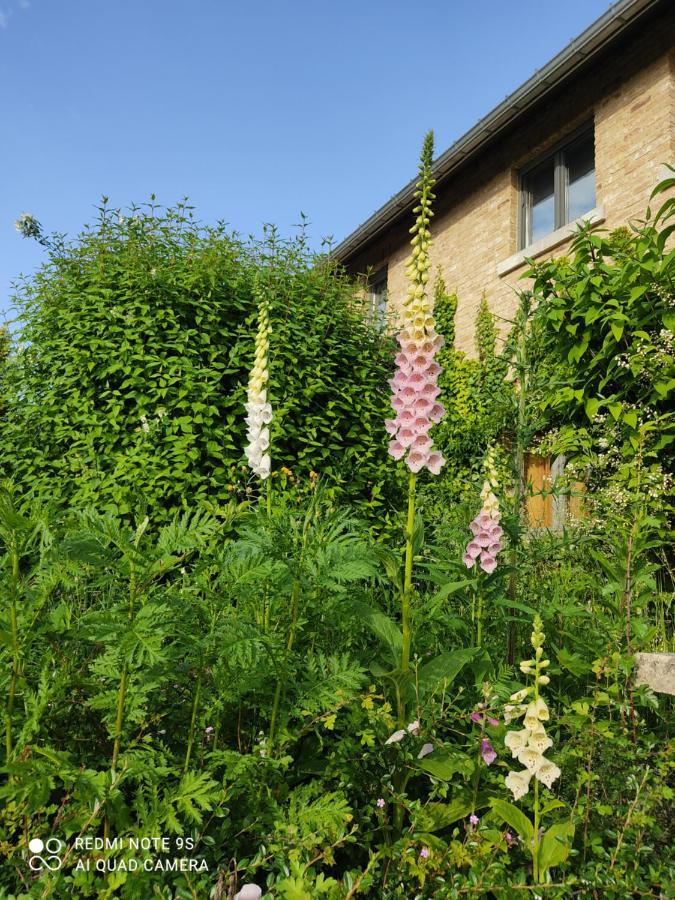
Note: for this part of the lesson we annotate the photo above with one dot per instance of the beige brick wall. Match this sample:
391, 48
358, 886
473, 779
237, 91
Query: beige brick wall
632, 105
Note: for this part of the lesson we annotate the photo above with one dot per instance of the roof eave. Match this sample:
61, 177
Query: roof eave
595, 38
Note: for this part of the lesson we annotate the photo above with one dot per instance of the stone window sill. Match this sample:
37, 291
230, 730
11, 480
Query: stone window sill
595, 217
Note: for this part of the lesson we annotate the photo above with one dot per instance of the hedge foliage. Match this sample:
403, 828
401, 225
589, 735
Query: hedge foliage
128, 386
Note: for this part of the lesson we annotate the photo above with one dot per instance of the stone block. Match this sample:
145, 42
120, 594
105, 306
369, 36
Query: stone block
657, 671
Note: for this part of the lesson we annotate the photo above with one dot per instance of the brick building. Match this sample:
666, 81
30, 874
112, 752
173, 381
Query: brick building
585, 138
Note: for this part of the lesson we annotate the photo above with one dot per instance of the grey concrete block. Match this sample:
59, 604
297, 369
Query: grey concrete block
656, 670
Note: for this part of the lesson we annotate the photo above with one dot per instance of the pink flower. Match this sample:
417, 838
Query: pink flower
425, 751
485, 528
416, 459
474, 819
476, 717
435, 462
421, 424
424, 853
414, 385
422, 442
430, 391
469, 561
493, 722
380, 802
396, 736
509, 838
484, 538
406, 436
396, 449
437, 412
487, 752
488, 563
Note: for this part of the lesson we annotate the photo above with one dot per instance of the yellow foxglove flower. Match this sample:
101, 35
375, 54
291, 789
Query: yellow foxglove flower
519, 696
547, 772
517, 741
539, 740
518, 783
258, 409
529, 745
530, 758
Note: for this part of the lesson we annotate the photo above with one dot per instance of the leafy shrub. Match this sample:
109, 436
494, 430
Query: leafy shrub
128, 384
603, 337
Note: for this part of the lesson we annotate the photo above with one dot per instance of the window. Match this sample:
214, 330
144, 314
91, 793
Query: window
377, 299
558, 189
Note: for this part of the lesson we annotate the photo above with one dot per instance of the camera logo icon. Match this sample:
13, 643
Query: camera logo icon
51, 860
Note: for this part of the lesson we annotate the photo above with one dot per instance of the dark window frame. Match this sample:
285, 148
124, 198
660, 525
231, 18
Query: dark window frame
560, 193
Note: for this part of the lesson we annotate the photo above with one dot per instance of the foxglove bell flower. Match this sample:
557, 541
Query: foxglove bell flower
258, 407
249, 892
529, 744
486, 542
487, 752
415, 384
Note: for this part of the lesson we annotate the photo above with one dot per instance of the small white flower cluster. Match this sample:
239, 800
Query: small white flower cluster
146, 423
258, 409
28, 226
529, 745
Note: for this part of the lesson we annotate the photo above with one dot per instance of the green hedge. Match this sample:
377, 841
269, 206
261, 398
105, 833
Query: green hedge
128, 384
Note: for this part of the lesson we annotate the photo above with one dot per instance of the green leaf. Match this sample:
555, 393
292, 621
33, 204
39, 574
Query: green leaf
592, 407
630, 418
515, 818
572, 662
615, 410
418, 534
382, 627
617, 330
555, 845
444, 763
439, 673
513, 604
450, 588
435, 816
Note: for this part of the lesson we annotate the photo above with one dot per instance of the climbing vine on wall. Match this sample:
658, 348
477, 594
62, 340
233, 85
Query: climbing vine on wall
475, 392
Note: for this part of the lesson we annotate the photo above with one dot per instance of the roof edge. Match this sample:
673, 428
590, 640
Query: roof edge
595, 38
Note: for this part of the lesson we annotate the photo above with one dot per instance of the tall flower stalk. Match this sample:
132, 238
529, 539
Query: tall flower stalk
415, 383
258, 407
529, 745
485, 545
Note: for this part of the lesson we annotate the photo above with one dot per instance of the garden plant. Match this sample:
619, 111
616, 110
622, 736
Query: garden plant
262, 637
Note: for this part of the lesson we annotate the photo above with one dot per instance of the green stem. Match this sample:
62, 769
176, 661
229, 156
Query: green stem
479, 621
521, 368
535, 837
476, 774
535, 842
407, 578
400, 778
266, 610
281, 683
14, 588
122, 693
119, 718
193, 720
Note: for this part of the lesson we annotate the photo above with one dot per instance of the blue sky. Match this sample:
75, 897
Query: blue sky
255, 111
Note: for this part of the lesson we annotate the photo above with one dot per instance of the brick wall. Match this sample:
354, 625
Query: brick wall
630, 97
